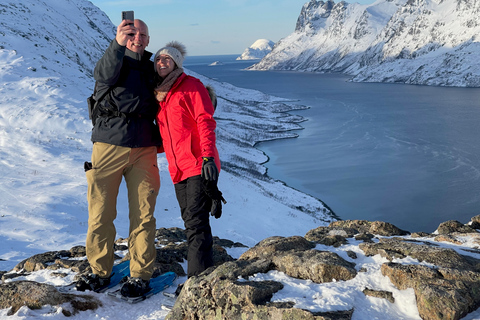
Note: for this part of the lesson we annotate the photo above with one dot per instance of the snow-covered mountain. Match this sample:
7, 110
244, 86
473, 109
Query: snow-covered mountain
48, 50
47, 53
433, 42
257, 50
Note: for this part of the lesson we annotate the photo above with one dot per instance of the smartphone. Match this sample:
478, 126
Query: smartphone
127, 15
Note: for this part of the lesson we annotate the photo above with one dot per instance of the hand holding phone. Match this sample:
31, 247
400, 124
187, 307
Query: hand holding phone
128, 15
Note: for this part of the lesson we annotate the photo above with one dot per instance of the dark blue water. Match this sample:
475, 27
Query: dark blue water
405, 154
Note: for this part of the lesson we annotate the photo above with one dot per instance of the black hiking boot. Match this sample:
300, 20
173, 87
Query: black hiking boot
179, 289
135, 287
90, 281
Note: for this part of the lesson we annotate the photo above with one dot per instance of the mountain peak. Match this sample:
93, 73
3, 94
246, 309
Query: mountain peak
257, 50
429, 42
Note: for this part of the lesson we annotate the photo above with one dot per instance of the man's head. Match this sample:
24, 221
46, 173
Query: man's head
141, 38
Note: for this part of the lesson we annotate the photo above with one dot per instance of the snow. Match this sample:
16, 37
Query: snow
257, 50
428, 42
45, 138
216, 63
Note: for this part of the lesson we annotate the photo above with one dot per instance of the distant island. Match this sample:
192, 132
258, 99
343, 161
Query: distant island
216, 63
257, 50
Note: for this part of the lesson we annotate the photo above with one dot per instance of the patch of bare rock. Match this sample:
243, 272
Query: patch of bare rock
445, 281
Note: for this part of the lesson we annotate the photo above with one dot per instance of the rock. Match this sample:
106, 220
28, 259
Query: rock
454, 226
171, 253
446, 291
227, 243
351, 254
316, 235
220, 255
445, 282
327, 236
34, 295
78, 252
367, 237
436, 296
13, 275
397, 248
40, 261
78, 266
165, 236
475, 222
379, 294
363, 226
420, 235
269, 247
220, 294
318, 266
446, 238
226, 292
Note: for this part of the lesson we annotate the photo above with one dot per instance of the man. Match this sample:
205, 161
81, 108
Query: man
125, 140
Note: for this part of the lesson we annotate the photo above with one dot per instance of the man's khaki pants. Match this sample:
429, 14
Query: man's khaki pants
139, 167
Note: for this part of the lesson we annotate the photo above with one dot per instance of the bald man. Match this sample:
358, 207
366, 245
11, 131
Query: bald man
125, 140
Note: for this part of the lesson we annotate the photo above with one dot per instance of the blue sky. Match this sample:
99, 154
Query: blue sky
209, 27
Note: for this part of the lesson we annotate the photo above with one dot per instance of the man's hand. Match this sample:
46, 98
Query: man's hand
209, 169
125, 31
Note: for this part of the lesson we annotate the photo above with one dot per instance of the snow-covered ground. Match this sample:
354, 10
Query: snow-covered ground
45, 138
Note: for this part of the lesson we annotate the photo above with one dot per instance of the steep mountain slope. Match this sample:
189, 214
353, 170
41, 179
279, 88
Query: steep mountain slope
48, 50
73, 33
47, 54
415, 41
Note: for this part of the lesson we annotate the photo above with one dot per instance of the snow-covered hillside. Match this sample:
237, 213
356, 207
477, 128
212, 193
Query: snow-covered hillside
257, 50
45, 77
417, 42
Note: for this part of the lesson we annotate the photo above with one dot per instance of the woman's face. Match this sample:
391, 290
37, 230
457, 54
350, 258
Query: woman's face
165, 65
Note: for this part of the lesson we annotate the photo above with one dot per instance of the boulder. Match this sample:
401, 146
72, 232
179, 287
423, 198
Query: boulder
34, 295
363, 226
454, 226
446, 285
226, 293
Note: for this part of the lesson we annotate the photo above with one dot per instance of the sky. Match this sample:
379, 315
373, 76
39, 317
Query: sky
210, 27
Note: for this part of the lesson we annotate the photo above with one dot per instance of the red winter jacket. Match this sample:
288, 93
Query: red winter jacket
187, 127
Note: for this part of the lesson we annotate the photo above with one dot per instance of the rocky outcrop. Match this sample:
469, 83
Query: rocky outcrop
444, 286
34, 295
444, 280
15, 294
226, 293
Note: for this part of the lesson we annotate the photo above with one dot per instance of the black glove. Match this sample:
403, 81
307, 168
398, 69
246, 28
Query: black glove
209, 169
87, 166
211, 189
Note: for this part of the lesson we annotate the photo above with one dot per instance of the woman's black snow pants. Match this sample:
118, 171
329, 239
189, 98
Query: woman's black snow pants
195, 207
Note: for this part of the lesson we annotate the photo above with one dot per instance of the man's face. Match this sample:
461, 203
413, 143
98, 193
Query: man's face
140, 39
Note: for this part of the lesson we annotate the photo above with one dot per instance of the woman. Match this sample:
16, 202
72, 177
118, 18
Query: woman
187, 127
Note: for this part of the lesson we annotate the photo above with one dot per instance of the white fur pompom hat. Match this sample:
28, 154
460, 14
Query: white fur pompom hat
175, 50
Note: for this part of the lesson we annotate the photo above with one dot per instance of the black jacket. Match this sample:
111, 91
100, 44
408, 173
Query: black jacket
127, 113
